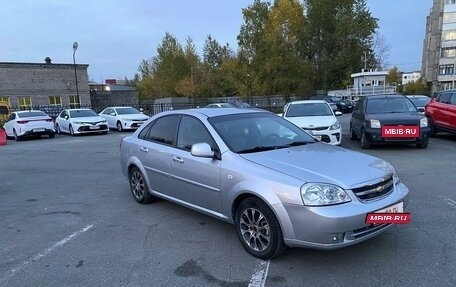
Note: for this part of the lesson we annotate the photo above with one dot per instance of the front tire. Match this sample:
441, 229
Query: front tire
352, 134
433, 131
138, 187
258, 229
365, 144
119, 126
57, 129
423, 144
71, 131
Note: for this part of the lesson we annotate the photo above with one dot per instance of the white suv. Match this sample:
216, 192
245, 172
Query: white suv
315, 117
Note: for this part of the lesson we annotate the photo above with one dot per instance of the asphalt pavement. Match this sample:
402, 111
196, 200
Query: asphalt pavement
67, 218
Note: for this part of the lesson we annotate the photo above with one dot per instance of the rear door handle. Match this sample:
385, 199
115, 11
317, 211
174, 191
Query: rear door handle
144, 149
178, 159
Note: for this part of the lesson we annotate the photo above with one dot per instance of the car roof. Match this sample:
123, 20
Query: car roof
210, 112
384, 96
118, 107
309, 102
80, 109
28, 111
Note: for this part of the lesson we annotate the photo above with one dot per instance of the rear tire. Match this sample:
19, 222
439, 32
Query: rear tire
16, 137
258, 229
138, 187
365, 144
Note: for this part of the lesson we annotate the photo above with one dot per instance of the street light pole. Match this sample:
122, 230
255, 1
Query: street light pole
75, 47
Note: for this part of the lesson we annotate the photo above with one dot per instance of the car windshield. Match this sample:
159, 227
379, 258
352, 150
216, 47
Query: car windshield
421, 101
389, 105
256, 132
308, 110
31, 114
127, 111
82, 113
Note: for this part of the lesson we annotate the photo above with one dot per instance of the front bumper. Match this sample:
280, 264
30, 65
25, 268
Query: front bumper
375, 137
332, 137
337, 226
132, 125
84, 129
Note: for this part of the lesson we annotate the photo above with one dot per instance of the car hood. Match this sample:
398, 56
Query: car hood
313, 122
321, 162
140, 117
412, 118
88, 119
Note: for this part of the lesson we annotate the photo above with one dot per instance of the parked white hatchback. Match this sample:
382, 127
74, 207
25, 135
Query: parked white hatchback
317, 118
79, 121
123, 118
29, 123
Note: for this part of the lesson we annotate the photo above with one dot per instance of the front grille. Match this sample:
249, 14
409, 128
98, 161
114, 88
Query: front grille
88, 129
316, 129
325, 138
374, 191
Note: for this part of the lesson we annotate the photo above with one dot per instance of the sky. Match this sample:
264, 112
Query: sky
114, 36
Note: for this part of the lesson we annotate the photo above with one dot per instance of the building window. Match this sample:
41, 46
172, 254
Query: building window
449, 17
448, 52
4, 100
446, 69
450, 1
55, 100
448, 35
75, 102
25, 103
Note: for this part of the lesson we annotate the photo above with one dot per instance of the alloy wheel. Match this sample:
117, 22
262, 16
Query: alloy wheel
255, 229
137, 185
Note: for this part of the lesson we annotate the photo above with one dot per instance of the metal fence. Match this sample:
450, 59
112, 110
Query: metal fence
273, 103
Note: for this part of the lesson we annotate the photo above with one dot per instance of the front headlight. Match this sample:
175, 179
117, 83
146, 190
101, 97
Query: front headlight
396, 179
335, 126
423, 123
318, 194
375, 124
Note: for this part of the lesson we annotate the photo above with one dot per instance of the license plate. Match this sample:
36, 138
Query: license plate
94, 127
396, 208
38, 130
400, 132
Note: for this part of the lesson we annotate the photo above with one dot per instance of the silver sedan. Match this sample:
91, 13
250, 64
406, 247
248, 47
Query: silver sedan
276, 183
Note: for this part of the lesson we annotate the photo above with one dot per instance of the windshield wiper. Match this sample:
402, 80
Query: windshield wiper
258, 149
298, 143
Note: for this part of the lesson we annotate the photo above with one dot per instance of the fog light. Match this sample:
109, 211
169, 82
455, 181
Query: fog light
338, 237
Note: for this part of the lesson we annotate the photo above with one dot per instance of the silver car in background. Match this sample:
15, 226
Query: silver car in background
277, 184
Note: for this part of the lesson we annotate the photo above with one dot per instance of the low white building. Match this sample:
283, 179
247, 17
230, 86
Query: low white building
410, 77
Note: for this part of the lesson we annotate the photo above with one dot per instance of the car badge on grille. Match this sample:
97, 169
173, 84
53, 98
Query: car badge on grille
379, 189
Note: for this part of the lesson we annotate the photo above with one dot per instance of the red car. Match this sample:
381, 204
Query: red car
441, 112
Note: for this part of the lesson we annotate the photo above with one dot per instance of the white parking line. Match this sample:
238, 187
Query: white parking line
448, 200
261, 273
47, 251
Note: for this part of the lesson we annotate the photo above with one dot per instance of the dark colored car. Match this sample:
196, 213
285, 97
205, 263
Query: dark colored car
441, 112
345, 106
420, 101
388, 119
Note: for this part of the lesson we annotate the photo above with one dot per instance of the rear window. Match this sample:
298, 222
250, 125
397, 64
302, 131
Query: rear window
31, 114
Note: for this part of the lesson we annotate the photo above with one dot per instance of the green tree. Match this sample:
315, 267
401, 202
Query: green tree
338, 34
415, 88
394, 76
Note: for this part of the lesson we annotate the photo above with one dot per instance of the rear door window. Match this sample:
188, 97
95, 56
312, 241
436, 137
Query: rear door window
163, 130
444, 98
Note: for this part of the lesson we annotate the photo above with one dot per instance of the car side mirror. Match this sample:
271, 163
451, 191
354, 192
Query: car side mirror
421, 109
66, 117
202, 150
338, 113
112, 114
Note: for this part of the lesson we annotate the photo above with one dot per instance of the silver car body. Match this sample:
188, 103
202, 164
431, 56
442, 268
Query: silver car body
216, 186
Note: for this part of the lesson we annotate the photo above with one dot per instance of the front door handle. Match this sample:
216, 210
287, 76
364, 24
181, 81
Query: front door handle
178, 159
144, 149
